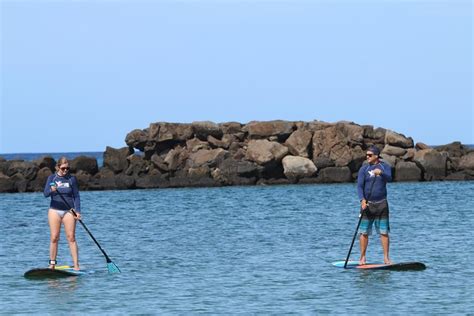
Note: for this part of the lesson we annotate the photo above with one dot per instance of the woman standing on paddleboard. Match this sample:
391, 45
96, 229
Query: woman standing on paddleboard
61, 185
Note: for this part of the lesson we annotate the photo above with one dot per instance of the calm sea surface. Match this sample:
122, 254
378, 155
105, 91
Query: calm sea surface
260, 250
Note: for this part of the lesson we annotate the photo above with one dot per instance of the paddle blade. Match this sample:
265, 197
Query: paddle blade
112, 268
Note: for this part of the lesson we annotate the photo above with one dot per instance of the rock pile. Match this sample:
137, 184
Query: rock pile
273, 152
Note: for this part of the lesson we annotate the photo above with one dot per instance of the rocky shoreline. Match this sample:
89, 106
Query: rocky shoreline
207, 154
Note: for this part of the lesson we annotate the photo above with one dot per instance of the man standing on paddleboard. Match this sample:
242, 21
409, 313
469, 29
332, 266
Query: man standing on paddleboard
372, 190
62, 187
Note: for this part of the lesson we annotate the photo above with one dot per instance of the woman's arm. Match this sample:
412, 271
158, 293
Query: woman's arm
47, 186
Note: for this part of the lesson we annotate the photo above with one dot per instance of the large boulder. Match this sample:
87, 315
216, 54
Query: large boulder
432, 163
231, 167
159, 163
210, 158
137, 166
407, 171
176, 158
164, 132
26, 168
38, 184
354, 133
196, 144
204, 129
231, 127
298, 143
264, 151
137, 139
467, 162
398, 140
331, 143
46, 161
116, 159
393, 151
298, 167
278, 128
84, 163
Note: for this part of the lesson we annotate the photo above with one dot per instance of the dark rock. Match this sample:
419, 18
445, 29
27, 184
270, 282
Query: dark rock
87, 164
264, 151
210, 158
298, 143
231, 167
27, 169
231, 127
174, 132
116, 159
455, 149
137, 139
38, 184
393, 151
21, 183
261, 130
334, 175
407, 171
432, 163
195, 144
176, 158
398, 140
103, 180
203, 130
332, 143
467, 162
461, 176
7, 185
159, 163
83, 179
46, 161
137, 165
322, 162
123, 181
150, 181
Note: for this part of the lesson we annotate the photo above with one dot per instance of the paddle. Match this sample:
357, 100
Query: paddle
358, 225
111, 267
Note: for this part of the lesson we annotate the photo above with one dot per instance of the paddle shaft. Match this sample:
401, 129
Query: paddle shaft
85, 227
358, 224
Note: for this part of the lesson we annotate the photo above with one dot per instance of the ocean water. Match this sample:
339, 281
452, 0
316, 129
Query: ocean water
243, 250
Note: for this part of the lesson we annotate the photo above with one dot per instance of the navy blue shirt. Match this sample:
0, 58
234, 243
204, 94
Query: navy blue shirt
365, 178
67, 186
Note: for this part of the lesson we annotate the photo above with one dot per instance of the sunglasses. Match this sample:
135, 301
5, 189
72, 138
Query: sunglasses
369, 155
64, 168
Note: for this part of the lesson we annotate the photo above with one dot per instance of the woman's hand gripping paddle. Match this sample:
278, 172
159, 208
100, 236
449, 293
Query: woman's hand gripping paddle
111, 267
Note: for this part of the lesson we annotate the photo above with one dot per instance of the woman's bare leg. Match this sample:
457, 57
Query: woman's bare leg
70, 229
54, 221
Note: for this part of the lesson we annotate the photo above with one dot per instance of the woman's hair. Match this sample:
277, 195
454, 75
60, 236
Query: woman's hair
60, 162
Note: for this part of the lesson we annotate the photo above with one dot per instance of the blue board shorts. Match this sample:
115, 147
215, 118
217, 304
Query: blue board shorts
376, 214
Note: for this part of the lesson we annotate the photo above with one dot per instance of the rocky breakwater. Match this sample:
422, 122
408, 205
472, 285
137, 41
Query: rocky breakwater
273, 152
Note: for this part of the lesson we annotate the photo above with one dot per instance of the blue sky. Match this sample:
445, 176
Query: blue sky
79, 75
